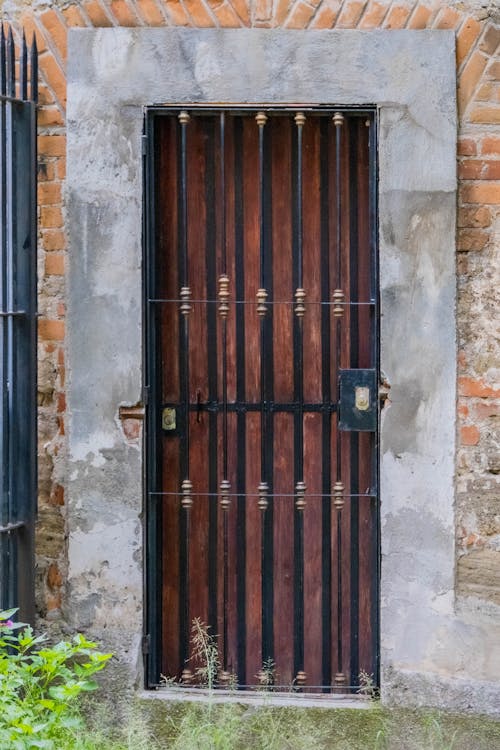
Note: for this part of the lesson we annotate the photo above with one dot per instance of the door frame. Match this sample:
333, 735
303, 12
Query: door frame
411, 77
152, 639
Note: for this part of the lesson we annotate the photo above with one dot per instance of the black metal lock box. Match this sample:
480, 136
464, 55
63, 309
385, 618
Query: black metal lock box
358, 402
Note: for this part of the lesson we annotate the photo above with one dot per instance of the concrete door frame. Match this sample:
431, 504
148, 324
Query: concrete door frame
410, 77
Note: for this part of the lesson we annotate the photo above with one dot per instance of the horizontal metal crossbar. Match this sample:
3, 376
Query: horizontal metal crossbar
12, 527
255, 495
369, 303
271, 407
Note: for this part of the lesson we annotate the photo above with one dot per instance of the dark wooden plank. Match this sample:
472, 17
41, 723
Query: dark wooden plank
253, 592
283, 549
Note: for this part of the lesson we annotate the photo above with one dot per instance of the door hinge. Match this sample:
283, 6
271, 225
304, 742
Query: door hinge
144, 140
146, 640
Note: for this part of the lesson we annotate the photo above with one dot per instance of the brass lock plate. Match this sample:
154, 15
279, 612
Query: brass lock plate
168, 419
361, 397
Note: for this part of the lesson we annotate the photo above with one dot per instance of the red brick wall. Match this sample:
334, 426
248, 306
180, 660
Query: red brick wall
478, 231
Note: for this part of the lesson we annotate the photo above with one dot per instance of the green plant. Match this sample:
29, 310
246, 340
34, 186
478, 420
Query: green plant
367, 686
39, 687
205, 654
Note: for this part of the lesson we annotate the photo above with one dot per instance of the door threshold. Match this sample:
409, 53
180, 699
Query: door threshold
257, 698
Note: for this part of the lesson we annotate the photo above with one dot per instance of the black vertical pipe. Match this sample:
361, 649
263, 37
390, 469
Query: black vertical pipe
239, 238
298, 388
339, 121
354, 436
34, 71
185, 396
4, 425
326, 543
211, 313
23, 70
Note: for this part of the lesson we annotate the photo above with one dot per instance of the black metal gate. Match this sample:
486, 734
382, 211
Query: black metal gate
18, 328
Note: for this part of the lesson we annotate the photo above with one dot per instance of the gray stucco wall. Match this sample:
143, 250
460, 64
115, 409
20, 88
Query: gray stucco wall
429, 651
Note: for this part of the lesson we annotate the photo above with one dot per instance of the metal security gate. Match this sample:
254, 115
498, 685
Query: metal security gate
18, 437
262, 382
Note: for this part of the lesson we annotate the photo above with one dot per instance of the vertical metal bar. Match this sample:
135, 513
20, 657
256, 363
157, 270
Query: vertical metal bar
34, 71
4, 426
23, 70
265, 486
11, 65
208, 125
153, 520
354, 436
225, 487
375, 332
186, 486
240, 397
326, 565
298, 387
338, 490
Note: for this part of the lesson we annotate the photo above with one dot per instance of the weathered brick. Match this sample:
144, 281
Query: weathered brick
474, 217
54, 264
490, 39
466, 37
485, 115
54, 76
176, 13
51, 330
350, 14
374, 15
61, 168
475, 169
420, 17
225, 15
97, 14
74, 17
488, 92
490, 144
49, 193
326, 15
51, 217
46, 170
481, 192
469, 435
471, 239
241, 7
467, 147
53, 240
49, 116
199, 13
470, 77
150, 12
281, 10
493, 72
123, 13
54, 577
28, 23
487, 409
300, 16
447, 18
476, 387
262, 10
52, 145
397, 17
56, 30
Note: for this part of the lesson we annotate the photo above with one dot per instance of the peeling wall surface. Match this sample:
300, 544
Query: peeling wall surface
429, 646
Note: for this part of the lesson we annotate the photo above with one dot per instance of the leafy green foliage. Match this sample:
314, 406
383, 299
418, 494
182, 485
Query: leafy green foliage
39, 686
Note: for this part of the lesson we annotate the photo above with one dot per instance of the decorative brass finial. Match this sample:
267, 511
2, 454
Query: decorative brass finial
300, 308
184, 117
187, 497
338, 495
301, 678
185, 307
338, 119
339, 678
263, 492
223, 295
300, 490
338, 298
224, 677
186, 676
261, 302
225, 500
261, 119
300, 119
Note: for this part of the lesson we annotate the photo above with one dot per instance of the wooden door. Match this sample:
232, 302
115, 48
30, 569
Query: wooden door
264, 292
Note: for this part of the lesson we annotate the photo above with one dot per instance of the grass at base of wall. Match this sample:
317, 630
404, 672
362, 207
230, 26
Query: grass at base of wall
155, 725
